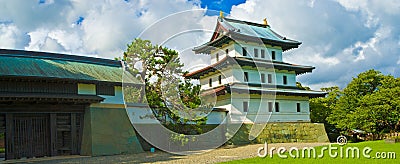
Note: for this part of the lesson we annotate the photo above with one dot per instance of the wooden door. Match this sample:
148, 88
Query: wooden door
48, 134
68, 133
27, 136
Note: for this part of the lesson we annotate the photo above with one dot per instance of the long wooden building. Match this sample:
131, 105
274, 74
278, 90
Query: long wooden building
56, 104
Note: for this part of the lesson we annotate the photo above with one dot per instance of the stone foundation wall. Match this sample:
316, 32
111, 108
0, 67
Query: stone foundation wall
282, 133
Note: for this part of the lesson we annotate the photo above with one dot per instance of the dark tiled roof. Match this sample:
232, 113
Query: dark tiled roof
218, 91
242, 61
277, 90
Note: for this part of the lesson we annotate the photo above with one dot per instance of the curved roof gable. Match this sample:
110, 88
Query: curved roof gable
242, 61
231, 29
255, 30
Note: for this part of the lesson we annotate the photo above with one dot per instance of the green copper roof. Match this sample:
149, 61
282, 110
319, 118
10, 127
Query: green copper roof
46, 65
228, 30
255, 30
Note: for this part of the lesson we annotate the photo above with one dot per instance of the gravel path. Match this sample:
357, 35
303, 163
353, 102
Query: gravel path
214, 156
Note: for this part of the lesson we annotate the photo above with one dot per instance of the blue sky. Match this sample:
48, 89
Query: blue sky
340, 38
220, 5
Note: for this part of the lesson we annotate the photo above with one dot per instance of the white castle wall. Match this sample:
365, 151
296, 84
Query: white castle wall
259, 105
236, 75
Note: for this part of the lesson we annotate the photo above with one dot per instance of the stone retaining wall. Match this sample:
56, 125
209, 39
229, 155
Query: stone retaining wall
282, 133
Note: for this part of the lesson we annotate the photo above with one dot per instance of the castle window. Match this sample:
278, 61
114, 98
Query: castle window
217, 56
298, 107
263, 54
273, 55
210, 82
269, 106
284, 79
219, 79
256, 52
244, 51
269, 78
108, 90
245, 106
246, 76
226, 52
262, 78
276, 107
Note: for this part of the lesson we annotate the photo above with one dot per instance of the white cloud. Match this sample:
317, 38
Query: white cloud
369, 6
371, 47
311, 3
192, 28
340, 38
361, 5
105, 29
9, 35
38, 39
318, 86
313, 56
69, 40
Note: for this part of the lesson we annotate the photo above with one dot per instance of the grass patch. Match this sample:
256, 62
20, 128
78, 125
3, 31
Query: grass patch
376, 146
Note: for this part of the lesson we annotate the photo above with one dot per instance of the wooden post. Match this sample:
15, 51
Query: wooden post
74, 141
53, 134
9, 139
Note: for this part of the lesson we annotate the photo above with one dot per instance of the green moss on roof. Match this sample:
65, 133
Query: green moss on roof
255, 30
56, 68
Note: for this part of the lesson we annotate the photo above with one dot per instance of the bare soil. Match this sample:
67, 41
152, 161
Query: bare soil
222, 154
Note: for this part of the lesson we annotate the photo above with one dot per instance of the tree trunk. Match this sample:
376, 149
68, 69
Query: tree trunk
143, 76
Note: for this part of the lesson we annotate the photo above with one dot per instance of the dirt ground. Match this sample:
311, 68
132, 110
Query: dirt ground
218, 155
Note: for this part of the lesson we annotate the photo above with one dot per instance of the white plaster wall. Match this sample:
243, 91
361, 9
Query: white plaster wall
222, 53
287, 109
291, 78
255, 76
237, 75
236, 50
298, 117
250, 51
227, 77
141, 115
86, 89
215, 117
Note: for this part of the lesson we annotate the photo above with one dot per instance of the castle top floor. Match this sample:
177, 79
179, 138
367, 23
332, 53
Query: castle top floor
237, 38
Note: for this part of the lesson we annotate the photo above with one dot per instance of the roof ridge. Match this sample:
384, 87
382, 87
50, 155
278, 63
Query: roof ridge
208, 67
246, 22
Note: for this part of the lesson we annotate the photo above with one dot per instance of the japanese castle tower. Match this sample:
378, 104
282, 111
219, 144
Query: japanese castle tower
247, 74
